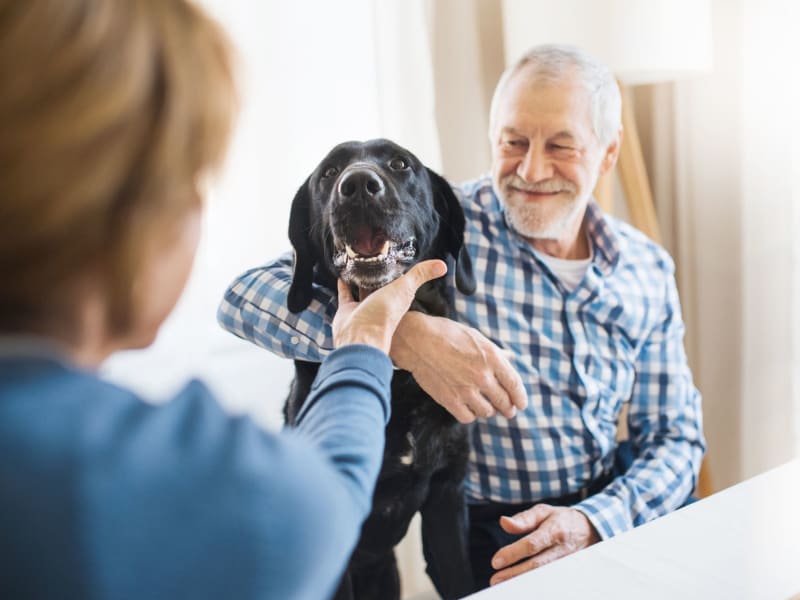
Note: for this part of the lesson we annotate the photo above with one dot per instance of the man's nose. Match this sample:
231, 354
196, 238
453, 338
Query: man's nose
535, 166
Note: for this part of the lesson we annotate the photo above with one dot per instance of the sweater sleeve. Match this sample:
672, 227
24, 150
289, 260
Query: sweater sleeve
328, 498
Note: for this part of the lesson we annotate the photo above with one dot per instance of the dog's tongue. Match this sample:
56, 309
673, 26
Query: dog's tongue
368, 242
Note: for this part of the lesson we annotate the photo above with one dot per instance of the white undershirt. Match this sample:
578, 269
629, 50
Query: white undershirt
569, 272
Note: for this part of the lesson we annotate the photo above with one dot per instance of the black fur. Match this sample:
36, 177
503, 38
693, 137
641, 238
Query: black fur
361, 195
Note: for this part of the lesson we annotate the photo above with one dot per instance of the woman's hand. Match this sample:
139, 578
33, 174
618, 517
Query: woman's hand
374, 319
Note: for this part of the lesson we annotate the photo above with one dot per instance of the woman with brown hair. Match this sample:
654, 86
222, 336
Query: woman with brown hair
111, 114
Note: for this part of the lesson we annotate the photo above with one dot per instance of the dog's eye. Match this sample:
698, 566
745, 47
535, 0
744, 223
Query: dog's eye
398, 164
330, 172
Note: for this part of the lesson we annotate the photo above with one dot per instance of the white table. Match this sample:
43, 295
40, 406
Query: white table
743, 542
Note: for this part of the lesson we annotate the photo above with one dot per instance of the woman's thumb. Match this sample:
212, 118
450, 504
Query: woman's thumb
423, 272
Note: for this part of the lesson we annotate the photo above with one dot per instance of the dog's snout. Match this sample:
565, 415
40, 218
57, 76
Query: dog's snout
358, 181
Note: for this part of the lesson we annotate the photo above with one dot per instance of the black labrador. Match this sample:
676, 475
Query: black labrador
367, 213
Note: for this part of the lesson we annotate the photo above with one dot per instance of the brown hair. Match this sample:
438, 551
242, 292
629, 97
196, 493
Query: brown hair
110, 111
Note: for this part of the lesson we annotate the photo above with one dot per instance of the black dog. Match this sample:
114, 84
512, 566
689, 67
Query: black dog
366, 214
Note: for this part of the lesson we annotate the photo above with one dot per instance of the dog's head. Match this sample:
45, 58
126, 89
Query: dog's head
367, 213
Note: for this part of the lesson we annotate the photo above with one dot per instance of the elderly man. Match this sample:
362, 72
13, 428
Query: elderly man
575, 315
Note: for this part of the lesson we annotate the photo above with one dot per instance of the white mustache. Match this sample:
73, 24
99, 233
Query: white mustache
551, 186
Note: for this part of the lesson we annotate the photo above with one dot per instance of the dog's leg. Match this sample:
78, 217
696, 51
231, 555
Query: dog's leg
304, 375
378, 580
445, 537
345, 590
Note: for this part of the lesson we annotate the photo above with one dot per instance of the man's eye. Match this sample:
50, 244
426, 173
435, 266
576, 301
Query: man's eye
398, 164
330, 172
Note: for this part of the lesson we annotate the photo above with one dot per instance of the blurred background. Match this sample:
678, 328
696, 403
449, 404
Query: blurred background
713, 85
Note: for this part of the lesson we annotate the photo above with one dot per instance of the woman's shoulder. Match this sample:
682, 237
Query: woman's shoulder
74, 415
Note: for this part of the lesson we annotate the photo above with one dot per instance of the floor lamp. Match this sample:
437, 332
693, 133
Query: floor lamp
642, 43
632, 175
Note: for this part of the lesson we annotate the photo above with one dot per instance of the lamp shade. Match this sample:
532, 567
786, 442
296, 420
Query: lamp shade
641, 41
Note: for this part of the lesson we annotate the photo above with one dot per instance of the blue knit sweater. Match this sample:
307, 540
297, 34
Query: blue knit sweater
104, 496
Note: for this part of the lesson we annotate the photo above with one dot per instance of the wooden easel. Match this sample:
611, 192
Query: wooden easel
642, 212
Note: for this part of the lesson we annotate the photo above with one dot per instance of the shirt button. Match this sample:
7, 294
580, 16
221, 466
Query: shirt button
295, 340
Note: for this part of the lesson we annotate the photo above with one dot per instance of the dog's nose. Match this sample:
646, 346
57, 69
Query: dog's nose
359, 181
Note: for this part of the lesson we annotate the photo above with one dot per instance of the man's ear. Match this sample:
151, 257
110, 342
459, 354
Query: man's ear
304, 256
451, 230
611, 153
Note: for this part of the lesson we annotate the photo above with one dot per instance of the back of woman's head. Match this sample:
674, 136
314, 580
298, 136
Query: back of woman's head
110, 112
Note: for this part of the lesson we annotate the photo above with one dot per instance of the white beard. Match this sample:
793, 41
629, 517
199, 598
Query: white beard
549, 220
537, 222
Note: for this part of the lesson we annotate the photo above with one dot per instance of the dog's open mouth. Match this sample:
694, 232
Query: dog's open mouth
379, 251
372, 250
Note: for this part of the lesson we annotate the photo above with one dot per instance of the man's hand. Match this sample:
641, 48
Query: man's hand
458, 367
555, 531
373, 320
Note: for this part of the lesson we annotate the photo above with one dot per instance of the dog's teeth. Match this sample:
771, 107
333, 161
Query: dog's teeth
350, 251
386, 245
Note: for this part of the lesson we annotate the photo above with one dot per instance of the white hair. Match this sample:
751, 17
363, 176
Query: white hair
551, 63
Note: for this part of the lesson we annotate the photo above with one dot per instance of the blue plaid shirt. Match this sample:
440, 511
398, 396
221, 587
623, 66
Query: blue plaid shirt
616, 338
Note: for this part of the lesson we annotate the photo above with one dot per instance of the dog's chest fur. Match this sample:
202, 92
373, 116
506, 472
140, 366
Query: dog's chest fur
424, 444
421, 437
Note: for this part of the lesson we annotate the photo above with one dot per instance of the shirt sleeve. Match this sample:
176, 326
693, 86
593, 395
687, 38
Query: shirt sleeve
666, 431
254, 308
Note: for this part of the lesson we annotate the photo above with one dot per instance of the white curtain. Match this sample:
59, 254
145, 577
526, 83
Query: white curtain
736, 175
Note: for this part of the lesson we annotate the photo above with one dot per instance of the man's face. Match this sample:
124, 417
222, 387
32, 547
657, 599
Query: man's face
545, 156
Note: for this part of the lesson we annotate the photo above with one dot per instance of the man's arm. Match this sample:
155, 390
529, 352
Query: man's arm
665, 423
457, 366
666, 431
255, 308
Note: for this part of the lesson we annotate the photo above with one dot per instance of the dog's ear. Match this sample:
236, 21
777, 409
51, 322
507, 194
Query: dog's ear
451, 230
304, 255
